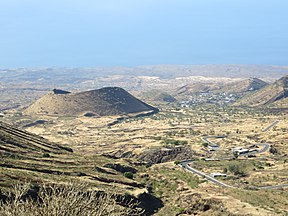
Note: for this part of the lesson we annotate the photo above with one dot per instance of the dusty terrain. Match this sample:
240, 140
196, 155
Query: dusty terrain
171, 128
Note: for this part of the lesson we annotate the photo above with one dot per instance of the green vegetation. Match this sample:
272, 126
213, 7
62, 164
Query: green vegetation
176, 162
169, 181
236, 170
46, 155
174, 142
275, 200
129, 175
205, 145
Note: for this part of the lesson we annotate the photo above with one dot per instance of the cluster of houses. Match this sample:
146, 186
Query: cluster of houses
213, 98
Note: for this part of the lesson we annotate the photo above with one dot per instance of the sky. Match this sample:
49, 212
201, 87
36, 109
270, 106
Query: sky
91, 33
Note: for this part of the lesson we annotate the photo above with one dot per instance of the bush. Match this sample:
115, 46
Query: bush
46, 155
174, 142
235, 169
129, 175
205, 145
273, 150
176, 162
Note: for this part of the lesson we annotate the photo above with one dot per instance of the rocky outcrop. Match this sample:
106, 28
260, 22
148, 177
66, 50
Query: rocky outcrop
164, 155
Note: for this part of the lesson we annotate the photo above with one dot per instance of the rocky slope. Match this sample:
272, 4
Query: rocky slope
248, 85
274, 92
243, 86
157, 96
196, 88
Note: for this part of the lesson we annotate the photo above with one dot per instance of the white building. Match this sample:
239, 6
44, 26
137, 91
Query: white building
217, 174
240, 150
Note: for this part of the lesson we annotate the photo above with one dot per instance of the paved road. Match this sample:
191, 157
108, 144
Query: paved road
270, 126
187, 166
210, 143
266, 146
273, 187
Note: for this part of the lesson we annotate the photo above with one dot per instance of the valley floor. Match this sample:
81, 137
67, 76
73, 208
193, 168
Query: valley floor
154, 145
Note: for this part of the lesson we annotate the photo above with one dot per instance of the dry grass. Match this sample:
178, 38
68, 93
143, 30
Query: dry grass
72, 200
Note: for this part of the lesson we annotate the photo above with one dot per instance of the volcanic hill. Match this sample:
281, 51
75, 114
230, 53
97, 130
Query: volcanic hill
267, 95
101, 102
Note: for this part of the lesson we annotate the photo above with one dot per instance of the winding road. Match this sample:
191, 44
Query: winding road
187, 165
210, 143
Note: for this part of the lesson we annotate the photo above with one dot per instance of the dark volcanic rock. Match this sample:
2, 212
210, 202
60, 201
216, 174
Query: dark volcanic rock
165, 155
121, 168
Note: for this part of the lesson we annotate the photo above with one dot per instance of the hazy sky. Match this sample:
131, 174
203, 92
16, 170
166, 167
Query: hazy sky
81, 33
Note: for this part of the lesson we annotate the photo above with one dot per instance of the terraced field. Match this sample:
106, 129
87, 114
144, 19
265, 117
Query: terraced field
28, 157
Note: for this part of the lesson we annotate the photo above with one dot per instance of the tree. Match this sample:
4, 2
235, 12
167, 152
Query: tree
235, 155
273, 150
236, 170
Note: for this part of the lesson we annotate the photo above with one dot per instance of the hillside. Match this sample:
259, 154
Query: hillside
28, 158
101, 102
247, 85
19, 143
157, 96
195, 88
267, 95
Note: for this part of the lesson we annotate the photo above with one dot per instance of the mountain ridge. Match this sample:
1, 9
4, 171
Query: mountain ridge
267, 95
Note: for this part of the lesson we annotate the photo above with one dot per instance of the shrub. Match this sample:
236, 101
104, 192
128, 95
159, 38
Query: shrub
129, 175
176, 162
174, 142
205, 145
235, 169
273, 150
46, 155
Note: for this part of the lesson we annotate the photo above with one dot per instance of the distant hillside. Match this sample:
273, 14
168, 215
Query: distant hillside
101, 102
267, 95
243, 86
196, 88
158, 96
74, 75
248, 85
